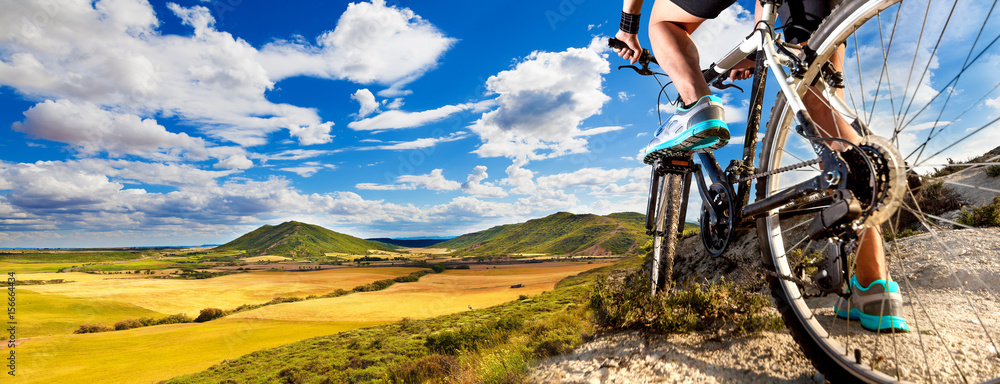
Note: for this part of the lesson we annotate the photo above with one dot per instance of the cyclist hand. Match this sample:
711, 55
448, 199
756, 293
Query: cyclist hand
634, 50
742, 70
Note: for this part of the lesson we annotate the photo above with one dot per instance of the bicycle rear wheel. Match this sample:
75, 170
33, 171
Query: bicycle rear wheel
923, 75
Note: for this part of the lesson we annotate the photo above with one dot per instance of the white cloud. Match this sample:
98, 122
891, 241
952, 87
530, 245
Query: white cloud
291, 154
366, 99
421, 143
308, 169
235, 162
520, 178
110, 54
90, 130
542, 103
394, 104
586, 177
312, 134
716, 37
474, 185
372, 43
395, 119
434, 181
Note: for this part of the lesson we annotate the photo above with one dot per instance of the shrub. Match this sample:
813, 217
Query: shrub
448, 342
932, 199
993, 170
339, 292
626, 303
375, 286
280, 299
425, 369
175, 319
92, 328
147, 321
209, 314
985, 216
127, 324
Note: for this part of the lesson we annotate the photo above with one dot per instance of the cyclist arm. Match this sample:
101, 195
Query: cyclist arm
634, 49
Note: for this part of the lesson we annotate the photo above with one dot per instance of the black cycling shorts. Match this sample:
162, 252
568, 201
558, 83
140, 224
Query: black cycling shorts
800, 18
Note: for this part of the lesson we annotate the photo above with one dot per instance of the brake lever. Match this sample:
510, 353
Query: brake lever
718, 82
642, 71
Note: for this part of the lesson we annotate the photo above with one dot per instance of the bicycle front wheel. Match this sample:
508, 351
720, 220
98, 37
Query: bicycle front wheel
922, 74
668, 220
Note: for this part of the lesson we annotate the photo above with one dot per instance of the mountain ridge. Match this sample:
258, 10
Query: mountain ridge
297, 239
561, 233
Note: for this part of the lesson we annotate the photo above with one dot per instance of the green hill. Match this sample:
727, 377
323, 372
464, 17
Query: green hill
558, 234
295, 239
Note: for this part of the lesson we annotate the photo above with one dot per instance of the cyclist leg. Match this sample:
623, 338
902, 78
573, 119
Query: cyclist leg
670, 28
698, 125
870, 285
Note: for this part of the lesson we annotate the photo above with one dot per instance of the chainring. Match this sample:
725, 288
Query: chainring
716, 237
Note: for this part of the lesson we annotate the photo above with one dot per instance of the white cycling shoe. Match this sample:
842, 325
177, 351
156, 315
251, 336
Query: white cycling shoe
700, 128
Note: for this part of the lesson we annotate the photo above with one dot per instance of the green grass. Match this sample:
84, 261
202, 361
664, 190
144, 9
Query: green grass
34, 267
52, 314
624, 302
558, 234
131, 266
987, 215
69, 257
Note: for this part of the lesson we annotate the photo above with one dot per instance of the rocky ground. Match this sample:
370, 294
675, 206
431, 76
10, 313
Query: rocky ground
951, 276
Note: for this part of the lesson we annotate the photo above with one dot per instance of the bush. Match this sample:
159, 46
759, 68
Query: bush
425, 369
985, 216
281, 299
932, 199
175, 319
339, 292
375, 286
993, 170
147, 321
209, 314
92, 328
127, 324
626, 303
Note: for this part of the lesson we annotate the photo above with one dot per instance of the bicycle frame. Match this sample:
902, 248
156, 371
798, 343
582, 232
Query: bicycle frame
763, 39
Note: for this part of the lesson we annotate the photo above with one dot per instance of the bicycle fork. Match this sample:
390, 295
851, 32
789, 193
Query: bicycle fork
666, 210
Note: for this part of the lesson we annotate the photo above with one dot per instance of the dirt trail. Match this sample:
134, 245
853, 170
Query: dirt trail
931, 291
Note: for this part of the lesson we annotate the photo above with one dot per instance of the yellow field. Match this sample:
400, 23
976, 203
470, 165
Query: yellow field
434, 295
52, 314
265, 258
152, 354
172, 296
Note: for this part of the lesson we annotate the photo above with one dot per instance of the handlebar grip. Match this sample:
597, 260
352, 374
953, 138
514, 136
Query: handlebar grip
645, 57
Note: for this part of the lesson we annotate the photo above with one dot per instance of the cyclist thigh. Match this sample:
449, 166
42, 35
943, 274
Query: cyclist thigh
800, 18
687, 14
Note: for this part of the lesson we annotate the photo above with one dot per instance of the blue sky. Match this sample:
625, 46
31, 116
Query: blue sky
129, 123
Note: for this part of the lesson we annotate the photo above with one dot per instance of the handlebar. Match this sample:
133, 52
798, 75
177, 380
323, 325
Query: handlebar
645, 58
711, 77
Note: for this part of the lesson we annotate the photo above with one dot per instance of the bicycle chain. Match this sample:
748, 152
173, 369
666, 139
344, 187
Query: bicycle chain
779, 170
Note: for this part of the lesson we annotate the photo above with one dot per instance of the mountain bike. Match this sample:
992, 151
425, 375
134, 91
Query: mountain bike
917, 78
